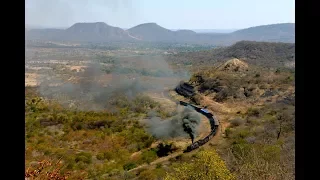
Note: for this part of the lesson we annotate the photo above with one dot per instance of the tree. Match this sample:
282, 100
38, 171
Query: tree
207, 166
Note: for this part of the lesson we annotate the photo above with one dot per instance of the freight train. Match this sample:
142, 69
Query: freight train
214, 124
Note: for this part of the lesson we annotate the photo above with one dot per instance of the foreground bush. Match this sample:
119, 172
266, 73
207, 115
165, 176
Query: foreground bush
207, 166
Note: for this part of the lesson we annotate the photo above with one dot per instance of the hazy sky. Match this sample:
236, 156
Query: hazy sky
171, 14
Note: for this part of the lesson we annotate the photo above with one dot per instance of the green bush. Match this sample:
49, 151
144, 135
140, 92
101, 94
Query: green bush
129, 166
149, 156
107, 155
100, 156
227, 132
159, 165
77, 126
271, 153
241, 150
84, 157
243, 133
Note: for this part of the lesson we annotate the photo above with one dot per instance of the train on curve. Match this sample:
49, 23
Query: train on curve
214, 124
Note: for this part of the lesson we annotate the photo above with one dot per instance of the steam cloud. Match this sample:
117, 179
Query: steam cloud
185, 123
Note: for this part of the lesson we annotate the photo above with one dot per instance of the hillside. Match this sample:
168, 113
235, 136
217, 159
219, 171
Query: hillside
257, 107
152, 32
258, 53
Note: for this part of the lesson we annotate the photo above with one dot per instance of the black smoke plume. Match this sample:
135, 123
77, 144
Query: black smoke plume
185, 123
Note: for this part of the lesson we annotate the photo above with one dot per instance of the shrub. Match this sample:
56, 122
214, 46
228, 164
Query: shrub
83, 157
227, 132
253, 112
243, 133
127, 175
196, 99
271, 153
129, 166
251, 139
209, 84
241, 150
159, 165
221, 96
100, 156
207, 165
78, 126
147, 175
107, 155
237, 121
149, 156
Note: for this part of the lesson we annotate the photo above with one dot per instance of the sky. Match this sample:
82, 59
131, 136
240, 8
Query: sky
171, 14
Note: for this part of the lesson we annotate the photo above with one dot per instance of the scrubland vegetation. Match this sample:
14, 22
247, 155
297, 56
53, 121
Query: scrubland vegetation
262, 145
260, 141
88, 143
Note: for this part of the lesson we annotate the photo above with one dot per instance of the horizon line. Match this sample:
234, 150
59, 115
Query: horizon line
44, 27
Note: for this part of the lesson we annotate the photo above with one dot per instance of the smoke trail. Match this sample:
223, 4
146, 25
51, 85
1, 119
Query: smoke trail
181, 125
92, 92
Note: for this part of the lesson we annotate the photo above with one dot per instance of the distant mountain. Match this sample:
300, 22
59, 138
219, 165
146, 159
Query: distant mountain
30, 26
98, 31
83, 32
44, 34
152, 32
184, 35
214, 30
270, 33
184, 31
209, 30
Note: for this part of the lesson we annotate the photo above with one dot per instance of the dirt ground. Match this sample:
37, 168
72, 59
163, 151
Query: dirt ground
31, 79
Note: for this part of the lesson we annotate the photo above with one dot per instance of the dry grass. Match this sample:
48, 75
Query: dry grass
46, 170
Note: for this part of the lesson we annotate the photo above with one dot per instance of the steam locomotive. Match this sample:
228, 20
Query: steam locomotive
185, 89
214, 123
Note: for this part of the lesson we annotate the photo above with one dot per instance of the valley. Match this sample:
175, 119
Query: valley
112, 113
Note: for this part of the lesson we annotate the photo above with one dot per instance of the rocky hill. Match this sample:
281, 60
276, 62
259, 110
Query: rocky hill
258, 53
